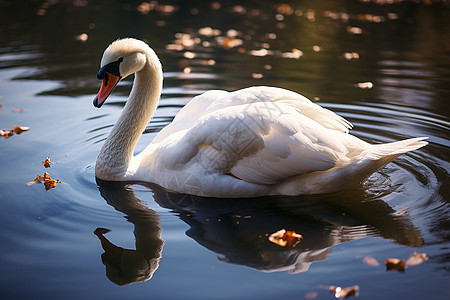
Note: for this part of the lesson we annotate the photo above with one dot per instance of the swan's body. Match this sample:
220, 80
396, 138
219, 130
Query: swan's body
251, 142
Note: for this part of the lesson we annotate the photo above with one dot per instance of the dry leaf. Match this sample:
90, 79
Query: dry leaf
285, 238
365, 85
6, 133
416, 259
18, 110
46, 179
395, 264
342, 293
47, 162
20, 129
50, 183
371, 261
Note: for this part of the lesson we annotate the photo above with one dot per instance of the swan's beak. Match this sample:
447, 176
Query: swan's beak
110, 76
109, 82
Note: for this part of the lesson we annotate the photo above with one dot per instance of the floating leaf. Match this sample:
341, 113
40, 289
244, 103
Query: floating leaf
342, 293
354, 30
18, 110
20, 129
371, 261
257, 75
296, 54
365, 85
83, 37
47, 162
351, 55
416, 259
6, 133
49, 183
395, 264
285, 238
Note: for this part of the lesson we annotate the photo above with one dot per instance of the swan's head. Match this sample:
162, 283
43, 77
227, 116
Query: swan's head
122, 58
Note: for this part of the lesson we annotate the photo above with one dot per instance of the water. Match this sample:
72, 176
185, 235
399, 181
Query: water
193, 248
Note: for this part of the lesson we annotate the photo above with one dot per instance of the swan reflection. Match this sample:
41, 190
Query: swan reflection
125, 266
237, 230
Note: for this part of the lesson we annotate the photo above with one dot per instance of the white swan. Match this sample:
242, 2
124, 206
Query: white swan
251, 142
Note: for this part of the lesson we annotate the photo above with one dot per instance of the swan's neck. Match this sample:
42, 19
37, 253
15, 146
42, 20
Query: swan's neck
115, 156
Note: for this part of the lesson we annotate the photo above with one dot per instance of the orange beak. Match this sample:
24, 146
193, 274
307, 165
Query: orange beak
109, 82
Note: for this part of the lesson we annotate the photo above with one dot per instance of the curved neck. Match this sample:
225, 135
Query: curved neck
115, 156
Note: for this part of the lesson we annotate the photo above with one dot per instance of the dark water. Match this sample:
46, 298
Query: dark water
185, 247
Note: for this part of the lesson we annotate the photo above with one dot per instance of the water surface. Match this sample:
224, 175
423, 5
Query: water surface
169, 246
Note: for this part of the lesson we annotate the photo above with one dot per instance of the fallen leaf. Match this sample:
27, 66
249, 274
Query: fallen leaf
20, 129
50, 183
83, 37
351, 55
296, 54
371, 261
18, 110
354, 30
285, 238
365, 85
257, 75
46, 179
395, 264
6, 133
342, 293
416, 259
47, 162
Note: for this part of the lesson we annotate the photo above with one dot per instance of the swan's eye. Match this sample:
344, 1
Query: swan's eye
112, 68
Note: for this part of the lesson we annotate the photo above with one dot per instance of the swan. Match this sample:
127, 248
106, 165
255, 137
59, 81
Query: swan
251, 142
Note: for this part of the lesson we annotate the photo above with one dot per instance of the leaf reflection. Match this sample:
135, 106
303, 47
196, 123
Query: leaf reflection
237, 230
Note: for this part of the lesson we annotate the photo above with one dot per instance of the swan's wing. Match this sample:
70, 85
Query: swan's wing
261, 143
215, 100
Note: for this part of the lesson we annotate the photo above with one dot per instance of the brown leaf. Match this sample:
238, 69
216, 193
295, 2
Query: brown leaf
371, 261
50, 183
285, 238
18, 110
6, 133
416, 259
342, 293
395, 264
47, 162
20, 129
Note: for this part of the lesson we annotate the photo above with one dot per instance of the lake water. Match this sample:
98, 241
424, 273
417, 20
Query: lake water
383, 65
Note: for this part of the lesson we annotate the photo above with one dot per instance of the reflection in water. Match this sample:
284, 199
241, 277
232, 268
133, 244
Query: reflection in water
124, 266
237, 230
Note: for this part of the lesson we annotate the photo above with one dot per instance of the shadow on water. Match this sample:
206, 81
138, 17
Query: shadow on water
237, 230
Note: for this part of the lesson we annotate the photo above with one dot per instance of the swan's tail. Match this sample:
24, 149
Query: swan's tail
336, 178
389, 151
